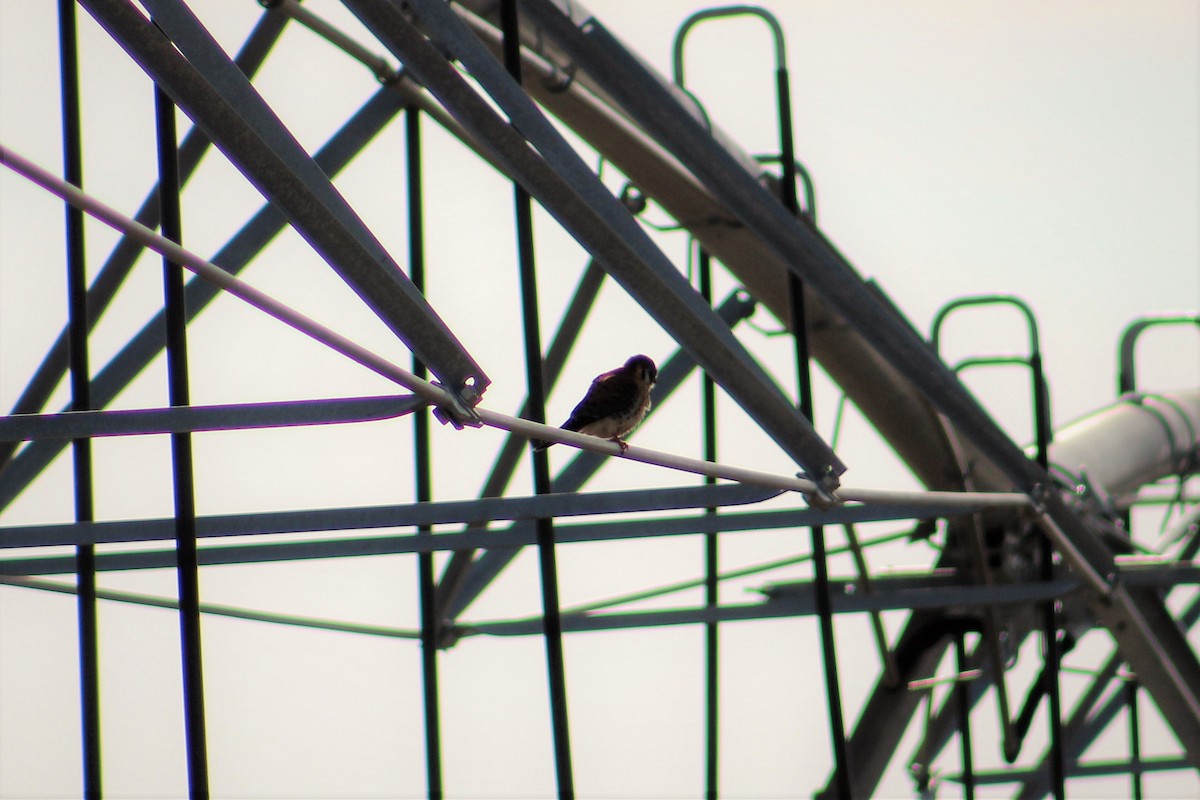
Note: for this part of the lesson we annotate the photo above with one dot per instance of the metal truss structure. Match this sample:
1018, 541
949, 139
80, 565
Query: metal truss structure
1037, 542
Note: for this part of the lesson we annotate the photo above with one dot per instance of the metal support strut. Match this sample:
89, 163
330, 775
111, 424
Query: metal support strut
795, 287
555, 664
424, 489
187, 563
708, 407
81, 400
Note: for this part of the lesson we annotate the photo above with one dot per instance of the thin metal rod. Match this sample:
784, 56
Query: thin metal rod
829, 658
555, 663
886, 656
238, 288
237, 416
708, 406
796, 603
1043, 432
796, 303
187, 563
424, 484
85, 555
1050, 646
1135, 739
214, 609
962, 692
1095, 769
743, 475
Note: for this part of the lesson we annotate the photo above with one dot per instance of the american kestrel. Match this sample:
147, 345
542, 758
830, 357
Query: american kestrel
614, 404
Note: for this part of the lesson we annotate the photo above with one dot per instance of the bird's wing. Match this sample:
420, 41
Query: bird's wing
609, 394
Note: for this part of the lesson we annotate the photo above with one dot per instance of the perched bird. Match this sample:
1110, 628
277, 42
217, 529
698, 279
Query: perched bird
614, 404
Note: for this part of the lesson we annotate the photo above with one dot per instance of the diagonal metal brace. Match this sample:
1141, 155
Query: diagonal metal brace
202, 80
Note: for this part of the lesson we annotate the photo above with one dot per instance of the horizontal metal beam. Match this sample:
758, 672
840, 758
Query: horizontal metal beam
1096, 769
409, 515
926, 591
181, 419
506, 541
887, 594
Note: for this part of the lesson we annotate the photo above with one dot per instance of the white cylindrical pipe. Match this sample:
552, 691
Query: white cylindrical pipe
1138, 440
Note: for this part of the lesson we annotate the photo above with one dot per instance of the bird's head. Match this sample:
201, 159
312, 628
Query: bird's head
643, 369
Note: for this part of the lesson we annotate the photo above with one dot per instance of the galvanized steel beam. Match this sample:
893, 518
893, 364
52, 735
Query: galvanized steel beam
376, 517
430, 513
187, 419
200, 77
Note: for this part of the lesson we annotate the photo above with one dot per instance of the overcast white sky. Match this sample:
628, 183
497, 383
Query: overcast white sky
1043, 149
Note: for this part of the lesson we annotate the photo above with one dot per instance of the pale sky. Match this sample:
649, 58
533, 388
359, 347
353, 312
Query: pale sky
1048, 150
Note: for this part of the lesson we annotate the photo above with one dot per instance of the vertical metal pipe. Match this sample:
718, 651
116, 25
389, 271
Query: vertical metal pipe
891, 673
963, 692
711, 566
829, 657
77, 345
424, 484
1043, 434
804, 381
555, 662
803, 360
1135, 739
787, 149
187, 565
